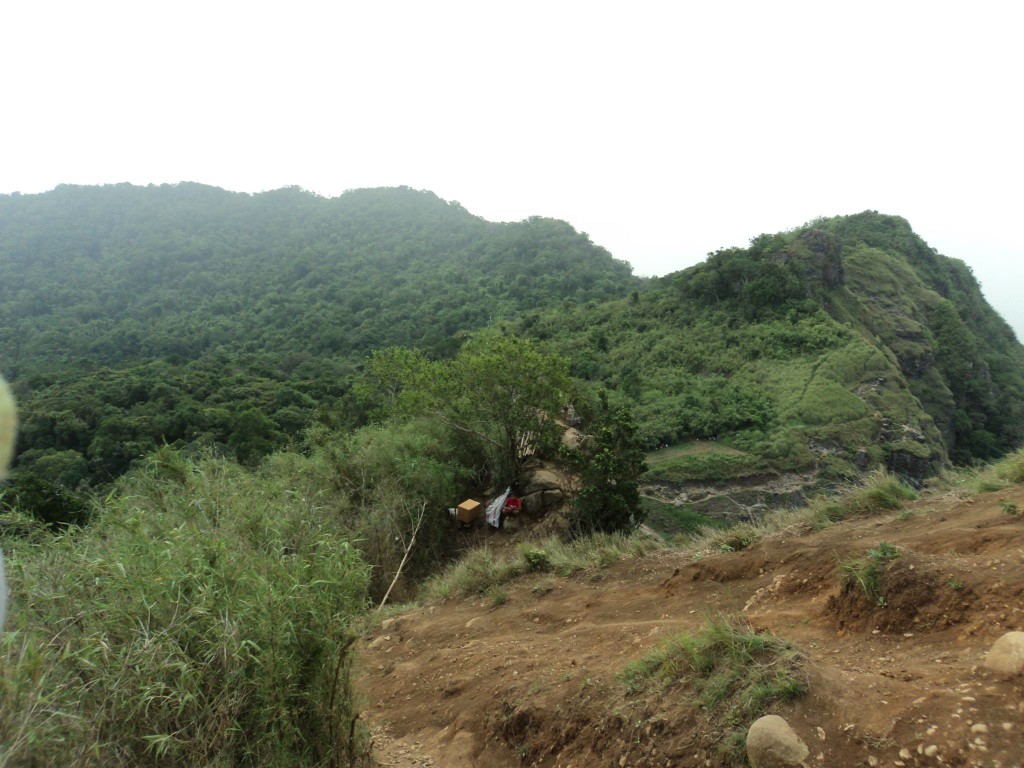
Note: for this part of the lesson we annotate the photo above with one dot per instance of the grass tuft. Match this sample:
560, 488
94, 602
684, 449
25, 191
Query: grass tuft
880, 492
727, 669
867, 572
481, 570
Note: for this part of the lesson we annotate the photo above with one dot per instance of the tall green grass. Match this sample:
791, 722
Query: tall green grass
201, 619
992, 477
867, 572
481, 570
880, 492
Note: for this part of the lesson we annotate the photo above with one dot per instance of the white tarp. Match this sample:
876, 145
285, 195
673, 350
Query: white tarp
493, 512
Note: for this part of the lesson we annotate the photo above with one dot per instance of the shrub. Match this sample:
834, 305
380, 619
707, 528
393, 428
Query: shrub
536, 559
200, 619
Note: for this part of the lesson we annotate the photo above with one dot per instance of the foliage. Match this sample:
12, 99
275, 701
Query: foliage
727, 669
672, 520
49, 503
707, 466
481, 570
202, 619
843, 341
994, 477
880, 492
867, 572
132, 317
609, 464
500, 396
376, 480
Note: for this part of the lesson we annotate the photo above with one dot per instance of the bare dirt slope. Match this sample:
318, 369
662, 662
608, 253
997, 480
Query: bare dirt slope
536, 679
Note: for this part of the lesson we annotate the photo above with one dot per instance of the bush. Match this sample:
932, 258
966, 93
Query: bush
867, 572
198, 620
609, 467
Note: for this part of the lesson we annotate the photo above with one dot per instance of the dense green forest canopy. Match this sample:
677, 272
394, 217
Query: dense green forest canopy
136, 316
133, 317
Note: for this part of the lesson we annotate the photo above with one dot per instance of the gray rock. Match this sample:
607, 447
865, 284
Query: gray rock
771, 743
552, 497
541, 480
533, 504
1006, 656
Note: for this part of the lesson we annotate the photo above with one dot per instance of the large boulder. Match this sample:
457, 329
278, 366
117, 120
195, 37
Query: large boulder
771, 743
573, 439
541, 480
537, 503
542, 489
1006, 656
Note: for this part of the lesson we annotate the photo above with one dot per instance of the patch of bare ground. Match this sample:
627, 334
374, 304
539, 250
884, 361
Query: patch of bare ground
536, 679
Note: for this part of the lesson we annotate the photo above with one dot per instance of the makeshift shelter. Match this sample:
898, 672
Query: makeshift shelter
494, 509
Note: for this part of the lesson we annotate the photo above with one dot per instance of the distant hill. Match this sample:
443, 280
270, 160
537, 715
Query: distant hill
842, 345
131, 316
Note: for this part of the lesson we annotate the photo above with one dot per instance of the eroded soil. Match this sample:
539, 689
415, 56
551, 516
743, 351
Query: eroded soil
536, 679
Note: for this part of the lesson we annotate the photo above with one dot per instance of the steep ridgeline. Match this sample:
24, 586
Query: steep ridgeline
132, 316
812, 355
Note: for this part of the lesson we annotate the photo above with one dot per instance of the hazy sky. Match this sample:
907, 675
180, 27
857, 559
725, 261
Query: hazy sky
663, 129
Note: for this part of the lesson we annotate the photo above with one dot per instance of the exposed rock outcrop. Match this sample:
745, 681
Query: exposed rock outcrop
543, 488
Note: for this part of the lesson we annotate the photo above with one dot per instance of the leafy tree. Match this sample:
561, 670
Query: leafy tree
609, 465
500, 395
57, 506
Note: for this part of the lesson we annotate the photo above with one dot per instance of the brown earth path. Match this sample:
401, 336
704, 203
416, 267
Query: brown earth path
535, 680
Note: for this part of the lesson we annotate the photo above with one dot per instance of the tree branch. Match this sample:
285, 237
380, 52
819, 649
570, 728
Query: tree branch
408, 549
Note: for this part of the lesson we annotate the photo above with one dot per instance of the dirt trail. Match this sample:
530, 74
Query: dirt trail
535, 680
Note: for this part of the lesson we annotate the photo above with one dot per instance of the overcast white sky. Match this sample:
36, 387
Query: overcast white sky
663, 129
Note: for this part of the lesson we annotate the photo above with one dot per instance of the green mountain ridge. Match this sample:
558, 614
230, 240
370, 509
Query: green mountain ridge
840, 346
183, 314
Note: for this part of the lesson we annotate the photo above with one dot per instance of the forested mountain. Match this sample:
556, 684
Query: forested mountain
845, 344
132, 316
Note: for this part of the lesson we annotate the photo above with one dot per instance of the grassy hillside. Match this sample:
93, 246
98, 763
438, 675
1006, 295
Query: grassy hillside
839, 346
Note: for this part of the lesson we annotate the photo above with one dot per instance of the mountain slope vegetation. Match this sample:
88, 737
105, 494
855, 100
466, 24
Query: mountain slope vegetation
376, 357
132, 317
842, 345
